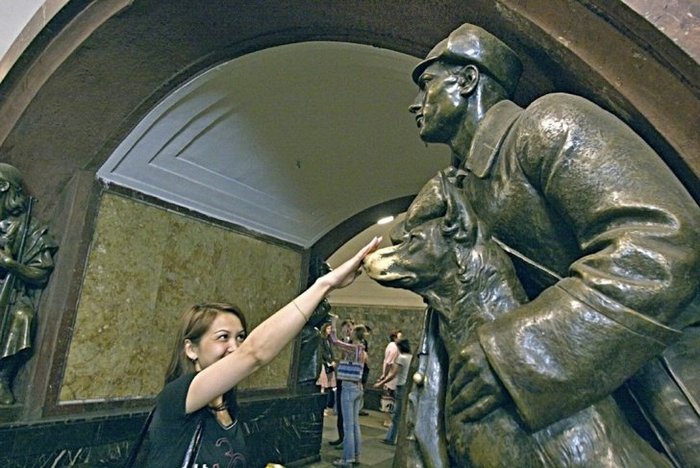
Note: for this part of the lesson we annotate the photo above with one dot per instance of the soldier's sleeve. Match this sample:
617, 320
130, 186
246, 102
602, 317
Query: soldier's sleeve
38, 255
624, 300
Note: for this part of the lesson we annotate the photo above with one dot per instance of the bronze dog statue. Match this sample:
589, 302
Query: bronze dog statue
444, 254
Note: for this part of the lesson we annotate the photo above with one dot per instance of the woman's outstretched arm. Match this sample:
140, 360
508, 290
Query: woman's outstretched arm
269, 338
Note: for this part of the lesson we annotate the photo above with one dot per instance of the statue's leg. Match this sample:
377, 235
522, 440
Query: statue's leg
8, 370
16, 348
667, 391
424, 442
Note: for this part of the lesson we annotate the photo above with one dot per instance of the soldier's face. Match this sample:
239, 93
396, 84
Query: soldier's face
10, 194
439, 106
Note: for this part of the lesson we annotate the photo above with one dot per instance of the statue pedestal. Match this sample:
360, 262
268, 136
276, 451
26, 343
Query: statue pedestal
10, 413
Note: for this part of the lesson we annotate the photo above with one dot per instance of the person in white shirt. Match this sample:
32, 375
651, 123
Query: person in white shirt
391, 352
398, 372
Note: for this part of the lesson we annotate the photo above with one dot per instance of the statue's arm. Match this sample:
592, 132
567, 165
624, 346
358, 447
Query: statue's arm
624, 299
37, 266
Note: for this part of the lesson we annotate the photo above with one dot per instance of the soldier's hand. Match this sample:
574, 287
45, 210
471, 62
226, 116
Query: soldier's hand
475, 390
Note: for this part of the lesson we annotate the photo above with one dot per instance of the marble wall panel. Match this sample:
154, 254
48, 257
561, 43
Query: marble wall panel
145, 266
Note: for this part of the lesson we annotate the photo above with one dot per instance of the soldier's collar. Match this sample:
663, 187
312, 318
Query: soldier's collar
489, 136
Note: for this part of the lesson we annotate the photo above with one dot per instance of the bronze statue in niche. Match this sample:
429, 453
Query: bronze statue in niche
310, 359
26, 261
604, 239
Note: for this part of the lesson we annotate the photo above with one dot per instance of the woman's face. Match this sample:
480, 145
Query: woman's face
224, 336
327, 330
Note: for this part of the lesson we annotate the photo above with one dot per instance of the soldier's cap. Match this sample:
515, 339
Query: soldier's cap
470, 44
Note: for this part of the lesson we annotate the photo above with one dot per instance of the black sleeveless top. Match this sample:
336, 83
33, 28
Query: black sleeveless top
171, 430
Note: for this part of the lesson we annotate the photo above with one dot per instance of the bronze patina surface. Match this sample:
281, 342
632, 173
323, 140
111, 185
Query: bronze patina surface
467, 280
26, 262
605, 242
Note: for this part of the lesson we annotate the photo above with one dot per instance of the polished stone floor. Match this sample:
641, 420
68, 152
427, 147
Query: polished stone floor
374, 452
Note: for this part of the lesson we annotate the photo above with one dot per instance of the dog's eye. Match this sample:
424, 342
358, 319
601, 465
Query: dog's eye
414, 235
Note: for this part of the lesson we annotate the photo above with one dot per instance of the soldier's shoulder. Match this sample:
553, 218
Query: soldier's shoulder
561, 104
558, 113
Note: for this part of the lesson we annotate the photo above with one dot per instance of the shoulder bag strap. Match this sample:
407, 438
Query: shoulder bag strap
193, 447
130, 463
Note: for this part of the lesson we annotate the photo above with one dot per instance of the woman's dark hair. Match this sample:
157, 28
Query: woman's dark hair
394, 334
195, 321
358, 333
404, 346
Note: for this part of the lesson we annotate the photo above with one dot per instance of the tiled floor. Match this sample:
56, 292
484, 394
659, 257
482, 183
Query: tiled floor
374, 452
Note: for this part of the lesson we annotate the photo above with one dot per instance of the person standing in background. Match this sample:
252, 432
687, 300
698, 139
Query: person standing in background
352, 395
398, 372
365, 369
391, 352
345, 330
326, 377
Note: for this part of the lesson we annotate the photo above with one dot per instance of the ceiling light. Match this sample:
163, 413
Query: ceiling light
385, 220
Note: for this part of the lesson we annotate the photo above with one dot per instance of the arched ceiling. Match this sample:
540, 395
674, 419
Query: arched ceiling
289, 141
100, 68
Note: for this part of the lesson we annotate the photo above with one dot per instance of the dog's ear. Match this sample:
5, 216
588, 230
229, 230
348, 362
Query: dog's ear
460, 220
428, 204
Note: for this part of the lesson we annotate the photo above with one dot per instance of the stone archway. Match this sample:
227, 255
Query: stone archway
116, 73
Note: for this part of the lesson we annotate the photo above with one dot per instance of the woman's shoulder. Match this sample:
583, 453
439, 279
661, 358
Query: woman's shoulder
175, 391
183, 380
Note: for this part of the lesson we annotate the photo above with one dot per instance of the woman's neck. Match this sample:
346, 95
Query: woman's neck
219, 409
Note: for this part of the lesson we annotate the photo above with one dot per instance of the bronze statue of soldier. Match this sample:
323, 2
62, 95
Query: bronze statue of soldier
26, 261
605, 240
446, 255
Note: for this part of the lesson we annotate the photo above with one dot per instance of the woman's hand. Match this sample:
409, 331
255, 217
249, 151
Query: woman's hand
346, 273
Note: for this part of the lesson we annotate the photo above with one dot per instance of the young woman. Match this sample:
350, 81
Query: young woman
213, 353
351, 395
326, 378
